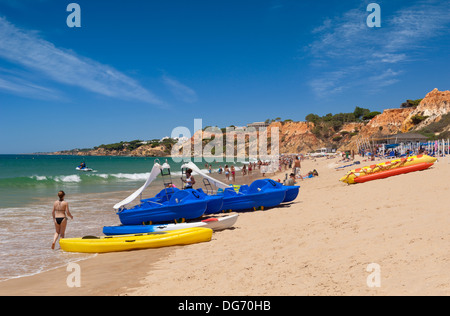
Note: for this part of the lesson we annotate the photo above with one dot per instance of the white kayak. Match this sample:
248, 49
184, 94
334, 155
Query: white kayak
214, 223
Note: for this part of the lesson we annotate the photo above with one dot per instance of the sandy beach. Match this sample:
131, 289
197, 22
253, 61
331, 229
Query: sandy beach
321, 244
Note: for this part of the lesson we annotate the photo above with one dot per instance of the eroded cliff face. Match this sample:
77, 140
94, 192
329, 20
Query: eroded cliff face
393, 121
296, 137
387, 123
434, 106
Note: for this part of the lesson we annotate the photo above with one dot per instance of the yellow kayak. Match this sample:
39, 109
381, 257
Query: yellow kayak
389, 165
91, 244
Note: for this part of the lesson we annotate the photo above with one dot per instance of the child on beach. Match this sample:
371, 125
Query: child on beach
60, 209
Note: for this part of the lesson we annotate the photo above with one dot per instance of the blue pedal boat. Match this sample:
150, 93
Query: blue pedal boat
182, 205
291, 191
214, 202
265, 192
237, 201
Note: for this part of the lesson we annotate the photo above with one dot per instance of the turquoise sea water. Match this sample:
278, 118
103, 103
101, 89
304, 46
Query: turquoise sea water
23, 178
28, 187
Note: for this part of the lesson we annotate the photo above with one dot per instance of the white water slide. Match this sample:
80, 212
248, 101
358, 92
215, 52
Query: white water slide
153, 175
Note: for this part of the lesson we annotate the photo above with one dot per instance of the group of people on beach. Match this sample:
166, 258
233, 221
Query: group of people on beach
61, 212
291, 162
230, 172
403, 150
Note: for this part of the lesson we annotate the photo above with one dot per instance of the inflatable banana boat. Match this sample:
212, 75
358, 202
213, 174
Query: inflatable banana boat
388, 169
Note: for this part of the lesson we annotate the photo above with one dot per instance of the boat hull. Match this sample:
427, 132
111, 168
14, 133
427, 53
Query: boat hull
270, 198
134, 242
238, 203
214, 204
291, 193
216, 224
393, 172
352, 175
266, 192
182, 205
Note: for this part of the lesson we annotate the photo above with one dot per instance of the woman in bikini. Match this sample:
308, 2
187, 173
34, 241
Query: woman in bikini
60, 208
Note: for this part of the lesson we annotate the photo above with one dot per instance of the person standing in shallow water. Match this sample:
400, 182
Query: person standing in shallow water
60, 213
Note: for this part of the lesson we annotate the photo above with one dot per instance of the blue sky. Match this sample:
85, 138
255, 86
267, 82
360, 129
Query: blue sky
138, 69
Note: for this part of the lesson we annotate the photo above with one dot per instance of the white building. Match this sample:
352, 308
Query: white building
258, 124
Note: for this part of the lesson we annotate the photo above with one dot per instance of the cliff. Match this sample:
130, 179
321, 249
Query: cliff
297, 137
433, 107
433, 112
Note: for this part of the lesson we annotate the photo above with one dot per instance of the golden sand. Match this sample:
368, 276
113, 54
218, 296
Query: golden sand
321, 244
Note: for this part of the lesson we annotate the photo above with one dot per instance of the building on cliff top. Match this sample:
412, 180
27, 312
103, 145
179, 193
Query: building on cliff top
258, 124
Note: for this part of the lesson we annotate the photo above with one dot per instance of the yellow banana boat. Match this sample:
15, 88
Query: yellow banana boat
91, 244
389, 165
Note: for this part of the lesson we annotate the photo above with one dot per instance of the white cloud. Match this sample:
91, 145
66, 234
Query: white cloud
63, 66
329, 84
27, 89
389, 58
179, 90
373, 58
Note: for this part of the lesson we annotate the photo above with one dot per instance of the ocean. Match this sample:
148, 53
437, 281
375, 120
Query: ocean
28, 187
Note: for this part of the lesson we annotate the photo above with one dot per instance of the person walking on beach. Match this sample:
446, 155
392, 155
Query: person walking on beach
227, 173
244, 170
296, 166
60, 213
233, 173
